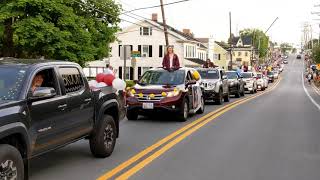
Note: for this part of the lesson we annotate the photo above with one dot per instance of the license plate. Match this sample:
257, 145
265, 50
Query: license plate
147, 105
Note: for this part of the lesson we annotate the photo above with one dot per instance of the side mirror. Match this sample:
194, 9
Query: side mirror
42, 93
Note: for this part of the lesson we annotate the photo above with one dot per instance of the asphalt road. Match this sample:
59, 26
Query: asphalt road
273, 136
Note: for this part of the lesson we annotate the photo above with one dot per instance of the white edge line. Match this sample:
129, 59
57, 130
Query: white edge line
306, 91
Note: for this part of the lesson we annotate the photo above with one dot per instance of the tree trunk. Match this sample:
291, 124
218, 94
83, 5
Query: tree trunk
8, 48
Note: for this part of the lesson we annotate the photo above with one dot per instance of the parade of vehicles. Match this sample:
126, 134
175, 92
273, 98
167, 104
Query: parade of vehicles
236, 84
214, 83
161, 90
251, 82
60, 109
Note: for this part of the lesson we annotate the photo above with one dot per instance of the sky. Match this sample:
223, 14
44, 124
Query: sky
208, 18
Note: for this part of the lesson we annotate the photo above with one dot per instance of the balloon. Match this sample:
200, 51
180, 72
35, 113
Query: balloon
196, 75
93, 83
100, 77
108, 78
119, 84
101, 84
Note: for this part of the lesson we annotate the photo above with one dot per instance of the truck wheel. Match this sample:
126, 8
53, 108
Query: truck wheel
227, 97
201, 110
11, 163
184, 112
219, 99
132, 115
103, 139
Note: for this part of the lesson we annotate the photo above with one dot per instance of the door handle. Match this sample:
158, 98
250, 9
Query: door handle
63, 106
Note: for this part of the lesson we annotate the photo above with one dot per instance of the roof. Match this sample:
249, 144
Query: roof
203, 40
29, 62
246, 40
223, 45
235, 40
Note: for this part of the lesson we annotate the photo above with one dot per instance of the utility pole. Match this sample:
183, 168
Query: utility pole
230, 67
164, 24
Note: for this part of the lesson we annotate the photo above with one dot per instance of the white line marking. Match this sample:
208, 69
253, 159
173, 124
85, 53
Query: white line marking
306, 91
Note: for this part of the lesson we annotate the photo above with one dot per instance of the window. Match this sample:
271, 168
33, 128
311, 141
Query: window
145, 31
120, 50
72, 79
146, 51
10, 86
219, 56
239, 53
161, 53
120, 72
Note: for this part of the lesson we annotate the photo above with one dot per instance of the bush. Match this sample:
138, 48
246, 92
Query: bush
130, 83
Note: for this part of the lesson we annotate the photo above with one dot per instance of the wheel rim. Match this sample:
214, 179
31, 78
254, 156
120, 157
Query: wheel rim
108, 136
185, 111
8, 170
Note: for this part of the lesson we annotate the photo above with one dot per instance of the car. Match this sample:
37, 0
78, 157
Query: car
285, 61
214, 83
251, 82
46, 105
236, 83
161, 90
270, 75
275, 74
262, 81
298, 56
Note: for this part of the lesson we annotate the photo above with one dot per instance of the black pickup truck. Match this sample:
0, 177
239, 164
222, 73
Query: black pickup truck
45, 105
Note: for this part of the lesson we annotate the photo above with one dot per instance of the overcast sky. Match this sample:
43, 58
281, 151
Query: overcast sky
210, 17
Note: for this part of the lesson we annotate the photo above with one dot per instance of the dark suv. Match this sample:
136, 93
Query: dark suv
236, 84
45, 105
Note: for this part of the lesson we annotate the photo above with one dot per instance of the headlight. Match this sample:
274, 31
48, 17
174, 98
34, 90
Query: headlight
173, 93
211, 85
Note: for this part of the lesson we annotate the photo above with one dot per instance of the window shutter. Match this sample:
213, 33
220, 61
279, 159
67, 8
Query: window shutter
139, 72
219, 57
131, 73
139, 49
120, 50
120, 72
160, 51
150, 51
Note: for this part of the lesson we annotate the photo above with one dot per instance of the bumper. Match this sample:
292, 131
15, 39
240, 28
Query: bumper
209, 94
248, 87
233, 89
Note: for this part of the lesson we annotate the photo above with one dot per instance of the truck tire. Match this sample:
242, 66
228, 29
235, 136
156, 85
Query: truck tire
103, 139
201, 110
11, 163
132, 115
184, 111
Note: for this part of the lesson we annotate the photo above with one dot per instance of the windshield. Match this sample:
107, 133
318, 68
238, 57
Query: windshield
247, 75
259, 75
11, 82
209, 74
232, 75
270, 73
163, 77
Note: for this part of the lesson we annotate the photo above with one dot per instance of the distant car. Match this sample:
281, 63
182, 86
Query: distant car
214, 83
160, 90
236, 84
275, 74
270, 75
285, 61
251, 82
298, 56
262, 82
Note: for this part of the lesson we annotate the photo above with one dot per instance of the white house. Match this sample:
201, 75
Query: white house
147, 37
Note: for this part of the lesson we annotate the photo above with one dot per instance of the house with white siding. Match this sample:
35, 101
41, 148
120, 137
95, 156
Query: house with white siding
147, 37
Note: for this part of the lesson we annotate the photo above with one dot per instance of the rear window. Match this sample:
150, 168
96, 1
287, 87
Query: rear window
247, 75
72, 79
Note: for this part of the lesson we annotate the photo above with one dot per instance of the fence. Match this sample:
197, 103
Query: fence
93, 71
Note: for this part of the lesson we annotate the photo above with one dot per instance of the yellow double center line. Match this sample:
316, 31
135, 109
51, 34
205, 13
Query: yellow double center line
182, 133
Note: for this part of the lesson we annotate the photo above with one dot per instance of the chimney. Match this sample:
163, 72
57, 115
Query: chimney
186, 31
154, 17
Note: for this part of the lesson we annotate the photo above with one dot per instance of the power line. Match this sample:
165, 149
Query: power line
155, 6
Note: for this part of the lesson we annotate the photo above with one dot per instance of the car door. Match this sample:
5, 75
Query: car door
190, 90
45, 112
80, 107
224, 82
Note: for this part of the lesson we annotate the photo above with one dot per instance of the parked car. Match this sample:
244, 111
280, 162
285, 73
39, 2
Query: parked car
215, 86
160, 90
299, 56
236, 84
285, 61
275, 74
45, 105
262, 81
270, 75
251, 82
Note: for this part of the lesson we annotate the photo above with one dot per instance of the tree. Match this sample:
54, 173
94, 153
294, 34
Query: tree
259, 39
58, 29
315, 55
285, 47
294, 50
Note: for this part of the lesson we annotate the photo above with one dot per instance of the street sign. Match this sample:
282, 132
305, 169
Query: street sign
135, 54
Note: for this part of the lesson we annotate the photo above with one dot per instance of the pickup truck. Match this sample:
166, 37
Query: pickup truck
45, 105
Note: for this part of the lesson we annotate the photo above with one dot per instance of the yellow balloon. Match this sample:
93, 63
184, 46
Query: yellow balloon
164, 94
152, 96
196, 75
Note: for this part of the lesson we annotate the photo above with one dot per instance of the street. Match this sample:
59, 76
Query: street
274, 135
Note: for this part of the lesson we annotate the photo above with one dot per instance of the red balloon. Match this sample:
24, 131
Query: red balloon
108, 78
99, 77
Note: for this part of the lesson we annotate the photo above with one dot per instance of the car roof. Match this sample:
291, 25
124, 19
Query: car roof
31, 62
